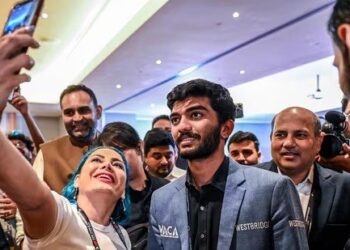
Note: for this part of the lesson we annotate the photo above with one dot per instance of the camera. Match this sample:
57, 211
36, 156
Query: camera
334, 138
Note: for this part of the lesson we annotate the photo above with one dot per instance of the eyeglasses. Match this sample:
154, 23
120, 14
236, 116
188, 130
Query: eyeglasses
19, 144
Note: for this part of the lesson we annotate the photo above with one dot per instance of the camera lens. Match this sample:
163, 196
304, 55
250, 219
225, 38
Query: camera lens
331, 146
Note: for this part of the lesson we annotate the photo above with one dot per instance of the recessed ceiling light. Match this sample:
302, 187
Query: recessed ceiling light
152, 105
159, 61
44, 15
235, 14
118, 86
242, 72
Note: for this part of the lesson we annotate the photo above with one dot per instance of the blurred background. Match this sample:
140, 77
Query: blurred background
270, 54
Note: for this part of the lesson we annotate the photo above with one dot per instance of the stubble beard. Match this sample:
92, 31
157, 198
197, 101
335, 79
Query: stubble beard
210, 143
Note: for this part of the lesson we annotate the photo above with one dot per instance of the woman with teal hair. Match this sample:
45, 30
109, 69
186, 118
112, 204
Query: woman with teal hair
96, 201
122, 208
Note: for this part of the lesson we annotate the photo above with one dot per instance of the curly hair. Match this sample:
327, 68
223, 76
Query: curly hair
220, 98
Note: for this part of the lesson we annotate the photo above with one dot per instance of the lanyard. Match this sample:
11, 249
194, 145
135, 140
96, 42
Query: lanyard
309, 211
92, 233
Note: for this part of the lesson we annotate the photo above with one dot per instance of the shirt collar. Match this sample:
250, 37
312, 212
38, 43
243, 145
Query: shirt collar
306, 185
219, 179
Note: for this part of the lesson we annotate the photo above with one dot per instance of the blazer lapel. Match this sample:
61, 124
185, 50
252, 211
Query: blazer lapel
180, 210
273, 167
324, 196
233, 198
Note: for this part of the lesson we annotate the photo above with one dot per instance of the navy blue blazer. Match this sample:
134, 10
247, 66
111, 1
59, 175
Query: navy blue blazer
330, 226
260, 210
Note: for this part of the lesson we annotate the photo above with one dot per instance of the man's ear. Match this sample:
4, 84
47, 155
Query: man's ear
259, 154
140, 149
99, 111
227, 128
320, 140
344, 34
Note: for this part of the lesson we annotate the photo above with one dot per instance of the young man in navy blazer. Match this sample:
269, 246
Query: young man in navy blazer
220, 204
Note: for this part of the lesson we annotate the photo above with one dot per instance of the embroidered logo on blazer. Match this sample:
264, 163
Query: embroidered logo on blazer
168, 231
296, 223
253, 226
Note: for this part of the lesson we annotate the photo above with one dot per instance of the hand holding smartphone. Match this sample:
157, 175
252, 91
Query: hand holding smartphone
23, 14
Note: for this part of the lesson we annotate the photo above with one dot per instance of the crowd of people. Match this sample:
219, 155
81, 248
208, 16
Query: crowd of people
176, 188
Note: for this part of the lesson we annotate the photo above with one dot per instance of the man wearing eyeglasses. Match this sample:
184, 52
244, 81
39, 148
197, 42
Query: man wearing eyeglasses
340, 162
23, 143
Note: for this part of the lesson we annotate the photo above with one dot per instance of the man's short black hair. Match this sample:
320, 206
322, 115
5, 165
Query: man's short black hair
340, 15
157, 137
16, 135
160, 117
241, 136
119, 133
344, 104
79, 87
220, 98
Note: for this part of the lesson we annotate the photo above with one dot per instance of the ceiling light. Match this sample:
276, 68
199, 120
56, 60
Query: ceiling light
242, 72
44, 15
159, 61
188, 70
118, 86
235, 14
152, 105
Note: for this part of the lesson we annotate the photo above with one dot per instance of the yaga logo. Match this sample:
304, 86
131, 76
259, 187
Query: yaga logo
169, 232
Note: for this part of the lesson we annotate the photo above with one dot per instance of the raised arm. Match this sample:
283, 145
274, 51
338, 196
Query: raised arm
21, 104
17, 179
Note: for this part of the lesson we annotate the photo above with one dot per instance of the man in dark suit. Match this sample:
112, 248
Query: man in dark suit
324, 194
219, 204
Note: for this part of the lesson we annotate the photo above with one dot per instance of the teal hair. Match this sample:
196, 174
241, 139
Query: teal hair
122, 208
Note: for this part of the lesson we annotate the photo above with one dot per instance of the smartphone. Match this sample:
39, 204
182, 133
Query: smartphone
13, 93
23, 14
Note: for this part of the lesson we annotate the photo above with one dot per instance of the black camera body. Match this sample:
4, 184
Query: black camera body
334, 138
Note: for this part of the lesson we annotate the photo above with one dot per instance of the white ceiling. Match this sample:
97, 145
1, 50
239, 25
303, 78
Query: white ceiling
268, 37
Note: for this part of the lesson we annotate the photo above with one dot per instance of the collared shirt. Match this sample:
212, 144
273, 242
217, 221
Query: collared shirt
175, 174
304, 189
205, 208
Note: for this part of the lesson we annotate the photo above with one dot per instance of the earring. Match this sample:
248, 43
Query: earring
75, 193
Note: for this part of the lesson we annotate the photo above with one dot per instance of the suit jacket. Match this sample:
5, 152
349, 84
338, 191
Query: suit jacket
260, 210
330, 226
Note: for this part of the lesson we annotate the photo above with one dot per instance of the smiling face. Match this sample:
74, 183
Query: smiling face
294, 142
195, 128
80, 116
103, 172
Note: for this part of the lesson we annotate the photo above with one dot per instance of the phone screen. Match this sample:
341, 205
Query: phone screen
21, 15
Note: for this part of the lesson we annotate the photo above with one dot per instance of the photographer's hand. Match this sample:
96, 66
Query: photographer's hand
12, 60
340, 162
346, 149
